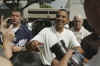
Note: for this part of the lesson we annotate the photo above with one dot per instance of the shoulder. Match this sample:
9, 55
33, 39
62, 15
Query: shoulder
83, 29
24, 28
72, 29
68, 31
46, 29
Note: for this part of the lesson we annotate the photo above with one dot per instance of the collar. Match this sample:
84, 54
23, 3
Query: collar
54, 30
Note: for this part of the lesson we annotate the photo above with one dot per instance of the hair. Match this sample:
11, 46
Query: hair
65, 10
90, 46
78, 16
26, 58
17, 10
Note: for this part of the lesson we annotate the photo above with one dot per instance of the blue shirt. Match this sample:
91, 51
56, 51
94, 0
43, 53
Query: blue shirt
22, 35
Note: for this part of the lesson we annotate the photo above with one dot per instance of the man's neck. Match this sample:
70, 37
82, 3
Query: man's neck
77, 29
59, 30
17, 25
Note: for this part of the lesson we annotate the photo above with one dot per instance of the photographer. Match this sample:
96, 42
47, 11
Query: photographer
15, 38
91, 44
48, 37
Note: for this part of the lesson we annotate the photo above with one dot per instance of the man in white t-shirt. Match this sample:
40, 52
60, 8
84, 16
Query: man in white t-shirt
78, 29
48, 37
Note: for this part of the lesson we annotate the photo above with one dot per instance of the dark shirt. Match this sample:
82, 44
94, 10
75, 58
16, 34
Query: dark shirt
90, 46
22, 35
26, 58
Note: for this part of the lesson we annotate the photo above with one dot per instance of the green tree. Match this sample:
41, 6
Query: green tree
45, 6
15, 3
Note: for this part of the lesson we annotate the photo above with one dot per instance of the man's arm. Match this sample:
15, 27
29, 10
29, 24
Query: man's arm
81, 51
17, 48
33, 45
8, 36
64, 61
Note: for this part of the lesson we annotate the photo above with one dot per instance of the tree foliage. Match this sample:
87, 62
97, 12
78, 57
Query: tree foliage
45, 6
15, 3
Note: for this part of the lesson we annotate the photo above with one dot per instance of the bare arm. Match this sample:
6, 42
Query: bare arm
33, 45
81, 52
7, 37
7, 41
64, 60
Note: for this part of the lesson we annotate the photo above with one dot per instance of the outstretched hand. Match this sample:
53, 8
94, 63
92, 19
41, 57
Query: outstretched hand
7, 33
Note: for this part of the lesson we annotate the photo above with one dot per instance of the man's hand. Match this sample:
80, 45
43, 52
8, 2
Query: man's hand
64, 61
8, 35
68, 55
16, 48
3, 24
33, 45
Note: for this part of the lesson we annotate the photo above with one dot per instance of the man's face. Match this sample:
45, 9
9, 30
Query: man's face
77, 22
16, 17
61, 19
92, 9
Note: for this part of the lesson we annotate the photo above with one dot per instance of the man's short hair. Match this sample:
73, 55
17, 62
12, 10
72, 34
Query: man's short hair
26, 58
17, 10
65, 10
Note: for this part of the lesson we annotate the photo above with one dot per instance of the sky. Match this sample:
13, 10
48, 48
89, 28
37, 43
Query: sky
75, 9
59, 4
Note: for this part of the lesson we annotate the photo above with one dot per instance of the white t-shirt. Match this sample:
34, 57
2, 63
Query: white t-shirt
81, 34
49, 36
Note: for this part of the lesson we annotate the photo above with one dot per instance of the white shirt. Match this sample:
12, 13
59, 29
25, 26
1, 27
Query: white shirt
66, 26
49, 36
81, 34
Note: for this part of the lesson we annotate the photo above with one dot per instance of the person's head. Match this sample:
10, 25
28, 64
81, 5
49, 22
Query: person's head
78, 22
92, 10
26, 58
62, 18
16, 17
5, 62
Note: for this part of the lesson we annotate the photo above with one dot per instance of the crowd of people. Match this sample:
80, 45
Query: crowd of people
55, 45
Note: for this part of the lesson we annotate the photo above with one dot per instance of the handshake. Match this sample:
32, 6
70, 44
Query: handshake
61, 50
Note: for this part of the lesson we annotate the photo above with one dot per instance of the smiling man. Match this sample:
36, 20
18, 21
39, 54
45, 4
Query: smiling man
48, 37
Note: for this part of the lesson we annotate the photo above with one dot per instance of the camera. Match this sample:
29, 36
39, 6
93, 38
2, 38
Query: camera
59, 50
9, 22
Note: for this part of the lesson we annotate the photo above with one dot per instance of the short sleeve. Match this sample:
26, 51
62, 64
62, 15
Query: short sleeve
40, 36
73, 41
